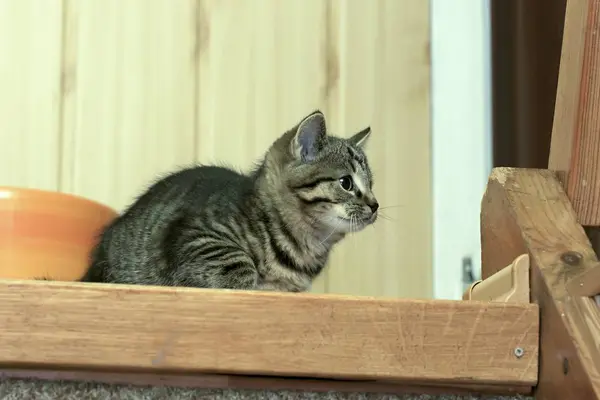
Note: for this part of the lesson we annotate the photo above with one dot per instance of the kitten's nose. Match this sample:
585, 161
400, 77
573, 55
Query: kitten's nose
374, 206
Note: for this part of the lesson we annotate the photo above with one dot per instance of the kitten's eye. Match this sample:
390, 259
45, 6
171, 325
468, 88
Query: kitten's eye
346, 183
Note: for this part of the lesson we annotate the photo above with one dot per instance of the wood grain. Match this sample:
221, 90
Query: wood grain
147, 329
30, 65
128, 92
372, 83
576, 129
587, 284
528, 211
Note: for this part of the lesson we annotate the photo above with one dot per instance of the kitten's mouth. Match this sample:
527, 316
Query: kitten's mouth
368, 220
357, 224
373, 217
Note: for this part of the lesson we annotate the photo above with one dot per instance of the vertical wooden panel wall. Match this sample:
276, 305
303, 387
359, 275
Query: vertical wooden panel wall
99, 97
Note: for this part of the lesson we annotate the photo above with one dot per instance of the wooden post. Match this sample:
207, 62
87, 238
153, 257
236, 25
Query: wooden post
527, 211
575, 148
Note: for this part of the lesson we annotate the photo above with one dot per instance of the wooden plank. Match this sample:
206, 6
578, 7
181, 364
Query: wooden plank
30, 70
129, 77
586, 284
207, 381
528, 211
380, 75
576, 130
183, 330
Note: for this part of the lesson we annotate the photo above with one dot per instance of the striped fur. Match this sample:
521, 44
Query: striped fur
270, 229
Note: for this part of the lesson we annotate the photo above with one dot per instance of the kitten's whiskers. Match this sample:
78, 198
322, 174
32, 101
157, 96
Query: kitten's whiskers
386, 207
385, 217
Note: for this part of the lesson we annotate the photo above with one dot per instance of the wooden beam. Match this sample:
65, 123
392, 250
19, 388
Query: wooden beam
154, 330
587, 284
576, 130
528, 211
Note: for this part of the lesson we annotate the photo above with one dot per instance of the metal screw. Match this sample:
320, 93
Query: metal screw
519, 352
565, 366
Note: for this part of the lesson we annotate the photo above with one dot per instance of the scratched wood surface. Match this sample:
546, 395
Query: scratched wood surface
576, 129
525, 210
93, 326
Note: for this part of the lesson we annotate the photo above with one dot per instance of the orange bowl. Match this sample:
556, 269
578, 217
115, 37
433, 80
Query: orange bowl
45, 234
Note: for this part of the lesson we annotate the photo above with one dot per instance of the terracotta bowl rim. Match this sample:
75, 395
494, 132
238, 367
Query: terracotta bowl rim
55, 193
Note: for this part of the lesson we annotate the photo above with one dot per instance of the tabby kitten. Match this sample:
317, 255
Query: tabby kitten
272, 229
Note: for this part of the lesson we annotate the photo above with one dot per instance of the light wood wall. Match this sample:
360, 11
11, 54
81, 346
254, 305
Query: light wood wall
98, 97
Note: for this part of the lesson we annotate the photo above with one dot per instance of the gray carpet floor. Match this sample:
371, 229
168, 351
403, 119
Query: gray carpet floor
21, 389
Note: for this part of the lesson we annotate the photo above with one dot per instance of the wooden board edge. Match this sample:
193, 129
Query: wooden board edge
575, 135
241, 382
20, 349
564, 127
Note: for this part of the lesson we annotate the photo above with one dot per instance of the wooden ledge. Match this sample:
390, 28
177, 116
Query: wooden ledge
527, 211
152, 331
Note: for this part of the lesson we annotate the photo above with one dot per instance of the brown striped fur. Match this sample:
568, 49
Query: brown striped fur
270, 229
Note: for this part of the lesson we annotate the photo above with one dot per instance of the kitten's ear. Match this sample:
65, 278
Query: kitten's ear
310, 137
360, 139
